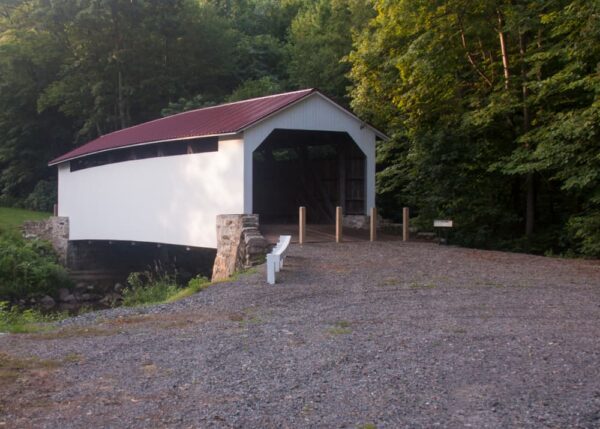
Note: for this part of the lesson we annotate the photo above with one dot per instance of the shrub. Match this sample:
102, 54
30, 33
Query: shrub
585, 231
148, 287
28, 268
14, 320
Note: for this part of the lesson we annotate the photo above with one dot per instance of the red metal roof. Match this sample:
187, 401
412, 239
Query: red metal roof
217, 120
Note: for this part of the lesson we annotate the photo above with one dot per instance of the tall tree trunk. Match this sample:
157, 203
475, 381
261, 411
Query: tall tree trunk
529, 180
503, 49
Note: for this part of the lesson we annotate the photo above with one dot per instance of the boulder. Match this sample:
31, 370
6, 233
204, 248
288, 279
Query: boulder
69, 298
85, 297
47, 302
110, 299
63, 293
80, 287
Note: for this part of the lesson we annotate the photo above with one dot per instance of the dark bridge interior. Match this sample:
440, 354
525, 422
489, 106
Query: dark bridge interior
315, 169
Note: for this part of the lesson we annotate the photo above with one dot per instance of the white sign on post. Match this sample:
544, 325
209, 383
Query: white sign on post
442, 223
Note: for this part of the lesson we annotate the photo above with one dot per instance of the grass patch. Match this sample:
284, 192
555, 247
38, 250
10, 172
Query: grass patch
367, 426
73, 358
341, 327
422, 286
17, 321
389, 282
194, 286
248, 316
455, 330
11, 218
488, 283
74, 332
12, 367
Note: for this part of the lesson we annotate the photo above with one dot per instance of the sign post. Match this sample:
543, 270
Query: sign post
444, 224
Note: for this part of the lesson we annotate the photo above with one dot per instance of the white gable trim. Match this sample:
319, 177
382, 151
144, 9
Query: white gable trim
315, 114
330, 101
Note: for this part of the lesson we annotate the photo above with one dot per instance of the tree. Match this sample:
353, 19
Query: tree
462, 87
320, 38
71, 71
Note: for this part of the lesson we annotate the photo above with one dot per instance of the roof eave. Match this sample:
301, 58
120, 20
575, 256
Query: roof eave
58, 160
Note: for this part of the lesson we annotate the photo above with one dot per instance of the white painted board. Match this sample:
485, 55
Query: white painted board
442, 223
170, 200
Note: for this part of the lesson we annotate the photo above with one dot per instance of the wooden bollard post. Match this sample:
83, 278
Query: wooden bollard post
338, 224
405, 231
373, 222
302, 225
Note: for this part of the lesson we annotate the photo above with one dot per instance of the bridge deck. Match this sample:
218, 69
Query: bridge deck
319, 233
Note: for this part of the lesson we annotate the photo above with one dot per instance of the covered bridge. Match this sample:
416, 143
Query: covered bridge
165, 181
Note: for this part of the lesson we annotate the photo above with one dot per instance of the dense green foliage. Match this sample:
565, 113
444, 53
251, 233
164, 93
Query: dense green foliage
493, 110
492, 105
28, 268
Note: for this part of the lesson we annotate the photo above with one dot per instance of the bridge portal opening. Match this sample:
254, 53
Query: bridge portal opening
316, 169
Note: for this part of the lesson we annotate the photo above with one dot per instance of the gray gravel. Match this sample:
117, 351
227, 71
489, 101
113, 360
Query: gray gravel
390, 334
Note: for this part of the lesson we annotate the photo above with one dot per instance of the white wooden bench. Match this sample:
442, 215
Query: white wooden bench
277, 256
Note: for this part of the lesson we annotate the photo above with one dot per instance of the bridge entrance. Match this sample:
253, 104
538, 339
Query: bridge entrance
316, 169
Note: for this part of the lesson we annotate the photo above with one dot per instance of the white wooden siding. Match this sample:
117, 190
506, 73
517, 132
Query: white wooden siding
171, 200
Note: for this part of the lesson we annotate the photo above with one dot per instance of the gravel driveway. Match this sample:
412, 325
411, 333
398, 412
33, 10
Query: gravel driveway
356, 335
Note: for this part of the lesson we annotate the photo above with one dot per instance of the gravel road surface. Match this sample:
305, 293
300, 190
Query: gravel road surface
356, 335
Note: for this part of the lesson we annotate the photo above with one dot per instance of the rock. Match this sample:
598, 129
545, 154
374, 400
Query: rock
356, 221
110, 299
47, 302
89, 297
80, 287
63, 293
239, 244
70, 298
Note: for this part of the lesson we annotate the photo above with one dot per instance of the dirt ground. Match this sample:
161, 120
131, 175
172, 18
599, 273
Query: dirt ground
356, 335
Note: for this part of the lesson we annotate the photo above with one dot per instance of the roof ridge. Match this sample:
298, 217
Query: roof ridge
307, 90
